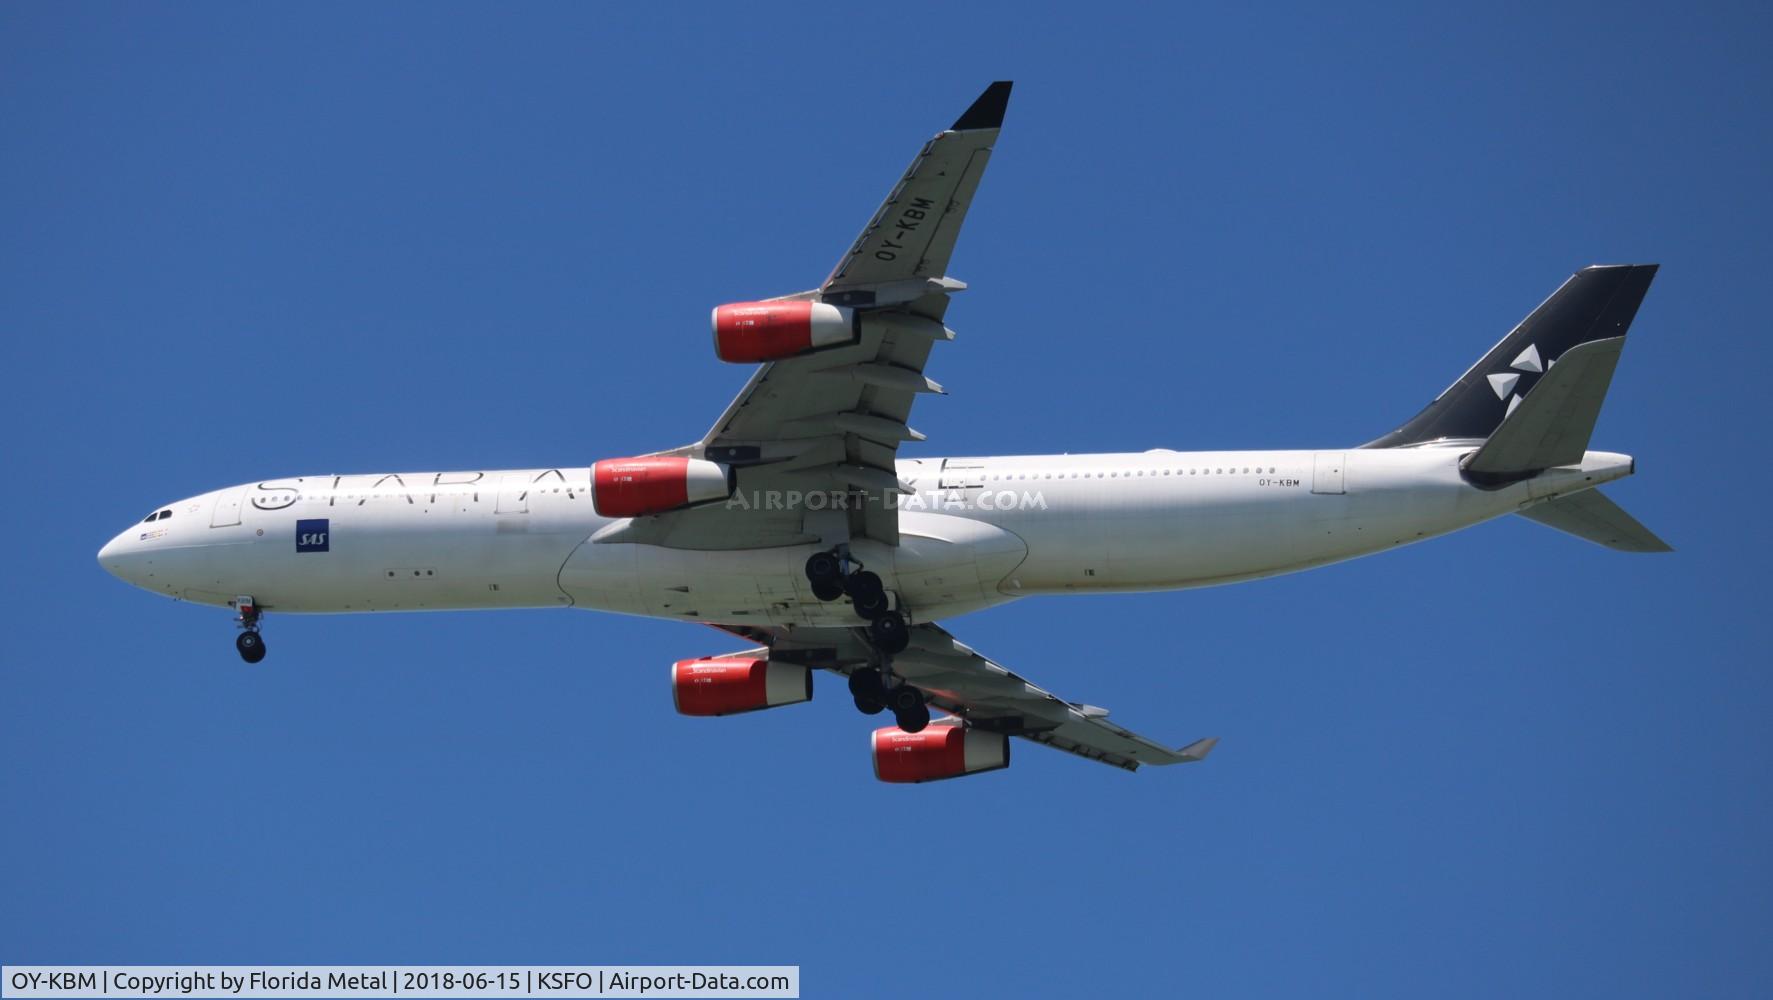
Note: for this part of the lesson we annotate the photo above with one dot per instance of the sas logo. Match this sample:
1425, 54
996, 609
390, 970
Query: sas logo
313, 535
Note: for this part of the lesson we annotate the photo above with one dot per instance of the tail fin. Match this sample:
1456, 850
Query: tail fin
1596, 304
1590, 515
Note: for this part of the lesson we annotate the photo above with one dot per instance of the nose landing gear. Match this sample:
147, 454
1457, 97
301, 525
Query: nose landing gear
249, 643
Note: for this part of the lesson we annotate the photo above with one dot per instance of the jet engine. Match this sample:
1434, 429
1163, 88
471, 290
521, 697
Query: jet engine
770, 331
729, 684
946, 749
633, 487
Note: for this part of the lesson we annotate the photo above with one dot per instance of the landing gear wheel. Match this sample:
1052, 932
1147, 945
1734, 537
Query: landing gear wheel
910, 711
251, 647
889, 633
867, 594
914, 721
869, 691
863, 582
870, 606
904, 698
825, 573
866, 683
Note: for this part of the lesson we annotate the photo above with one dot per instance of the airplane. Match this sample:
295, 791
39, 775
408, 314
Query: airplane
795, 524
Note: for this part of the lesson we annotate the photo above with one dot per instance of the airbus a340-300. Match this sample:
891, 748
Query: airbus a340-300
797, 526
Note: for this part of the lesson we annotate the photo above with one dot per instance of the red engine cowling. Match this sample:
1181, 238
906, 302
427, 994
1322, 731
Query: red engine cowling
633, 487
729, 684
945, 749
770, 331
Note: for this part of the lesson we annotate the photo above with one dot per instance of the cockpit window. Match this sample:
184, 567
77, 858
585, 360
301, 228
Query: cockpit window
159, 515
163, 515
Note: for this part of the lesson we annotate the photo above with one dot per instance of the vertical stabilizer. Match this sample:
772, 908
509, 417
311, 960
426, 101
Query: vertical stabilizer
1597, 303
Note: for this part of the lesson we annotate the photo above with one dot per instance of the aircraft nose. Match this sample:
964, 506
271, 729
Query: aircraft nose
119, 555
107, 556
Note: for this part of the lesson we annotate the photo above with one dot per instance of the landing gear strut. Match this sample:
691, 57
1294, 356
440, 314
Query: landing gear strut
869, 687
249, 643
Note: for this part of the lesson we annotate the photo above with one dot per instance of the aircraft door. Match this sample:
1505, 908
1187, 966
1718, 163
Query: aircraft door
1326, 472
962, 475
226, 512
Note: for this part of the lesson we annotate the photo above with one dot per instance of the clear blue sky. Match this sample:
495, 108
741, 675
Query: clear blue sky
247, 241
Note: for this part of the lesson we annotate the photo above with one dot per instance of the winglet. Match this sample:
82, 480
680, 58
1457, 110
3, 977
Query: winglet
1199, 749
987, 111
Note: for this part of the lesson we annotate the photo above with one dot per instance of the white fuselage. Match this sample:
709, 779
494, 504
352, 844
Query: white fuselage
978, 532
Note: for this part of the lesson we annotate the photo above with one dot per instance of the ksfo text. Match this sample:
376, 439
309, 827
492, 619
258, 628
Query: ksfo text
585, 981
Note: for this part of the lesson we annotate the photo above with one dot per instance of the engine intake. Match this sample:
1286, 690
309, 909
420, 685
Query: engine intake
634, 487
946, 749
770, 331
730, 684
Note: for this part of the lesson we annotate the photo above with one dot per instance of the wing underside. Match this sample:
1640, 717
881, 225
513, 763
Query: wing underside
972, 687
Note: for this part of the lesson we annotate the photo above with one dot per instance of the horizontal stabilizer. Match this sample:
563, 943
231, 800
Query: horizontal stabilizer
1552, 425
1590, 515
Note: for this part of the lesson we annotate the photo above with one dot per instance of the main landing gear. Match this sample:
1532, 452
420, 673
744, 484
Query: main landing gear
249, 643
834, 575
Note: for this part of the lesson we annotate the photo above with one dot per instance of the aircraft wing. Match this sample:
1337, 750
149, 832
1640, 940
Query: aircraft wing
967, 684
833, 420
912, 234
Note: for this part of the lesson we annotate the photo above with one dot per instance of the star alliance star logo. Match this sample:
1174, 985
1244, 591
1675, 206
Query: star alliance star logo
1505, 383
